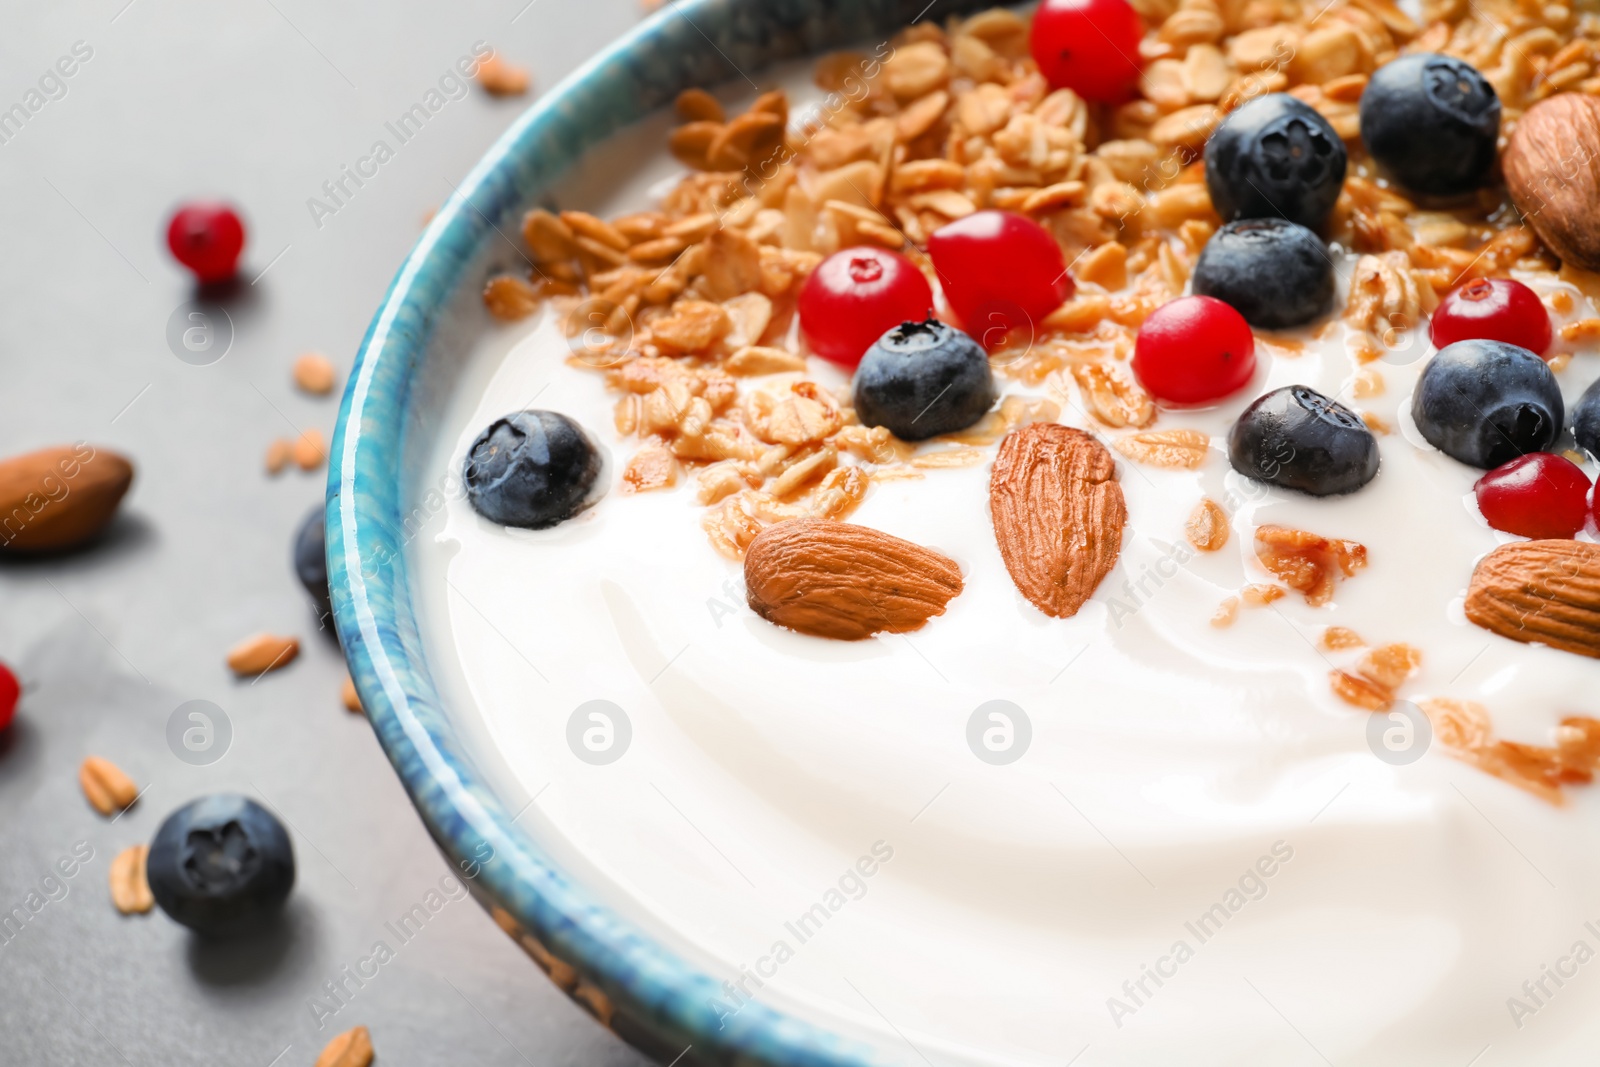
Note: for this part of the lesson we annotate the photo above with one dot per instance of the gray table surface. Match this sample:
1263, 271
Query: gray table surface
258, 101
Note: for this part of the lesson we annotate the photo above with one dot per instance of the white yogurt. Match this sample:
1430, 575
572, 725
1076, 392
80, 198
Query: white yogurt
1030, 913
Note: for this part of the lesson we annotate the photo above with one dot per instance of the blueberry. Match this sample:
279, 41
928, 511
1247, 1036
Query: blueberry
1275, 157
1586, 420
1487, 402
922, 379
533, 469
1297, 438
1431, 121
311, 561
1274, 272
221, 865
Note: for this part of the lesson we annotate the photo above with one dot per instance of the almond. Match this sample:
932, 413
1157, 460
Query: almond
353, 1048
846, 582
107, 788
348, 695
130, 888
314, 373
1552, 169
59, 498
262, 653
1058, 514
1540, 592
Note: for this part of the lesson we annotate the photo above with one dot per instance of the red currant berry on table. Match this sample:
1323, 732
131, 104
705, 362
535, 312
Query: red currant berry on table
207, 238
1088, 46
1540, 495
1493, 309
1193, 350
10, 691
856, 296
1000, 272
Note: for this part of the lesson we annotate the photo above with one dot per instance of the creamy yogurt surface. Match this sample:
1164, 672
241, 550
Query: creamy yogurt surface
1174, 844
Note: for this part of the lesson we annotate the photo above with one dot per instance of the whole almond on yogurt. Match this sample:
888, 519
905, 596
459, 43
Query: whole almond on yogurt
59, 498
1058, 514
1552, 169
843, 581
262, 653
105, 785
1540, 592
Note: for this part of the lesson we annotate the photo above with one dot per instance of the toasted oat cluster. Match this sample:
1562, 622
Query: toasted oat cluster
689, 310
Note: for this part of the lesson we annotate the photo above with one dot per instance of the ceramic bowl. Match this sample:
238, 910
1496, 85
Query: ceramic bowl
644, 991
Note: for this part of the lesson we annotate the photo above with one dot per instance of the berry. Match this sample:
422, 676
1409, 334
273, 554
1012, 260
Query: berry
855, 295
1275, 157
533, 469
311, 561
1088, 46
1586, 420
1431, 121
1493, 309
923, 379
1274, 272
1193, 350
1487, 402
1296, 438
10, 693
207, 238
1000, 272
221, 865
1539, 495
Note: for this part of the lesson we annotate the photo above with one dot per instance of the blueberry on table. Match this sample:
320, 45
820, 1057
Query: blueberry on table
1275, 157
922, 379
1296, 438
1274, 272
221, 865
1487, 402
533, 469
311, 560
1432, 122
1586, 420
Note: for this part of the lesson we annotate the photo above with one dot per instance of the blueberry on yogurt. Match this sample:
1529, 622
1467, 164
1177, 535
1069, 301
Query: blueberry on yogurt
1296, 438
1487, 402
1274, 272
533, 469
922, 379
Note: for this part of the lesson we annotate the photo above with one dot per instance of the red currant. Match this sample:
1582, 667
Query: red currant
9, 692
1193, 350
1088, 46
1540, 495
1493, 309
1000, 272
856, 296
207, 238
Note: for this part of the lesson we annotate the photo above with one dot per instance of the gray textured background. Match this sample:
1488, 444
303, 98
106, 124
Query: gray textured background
258, 101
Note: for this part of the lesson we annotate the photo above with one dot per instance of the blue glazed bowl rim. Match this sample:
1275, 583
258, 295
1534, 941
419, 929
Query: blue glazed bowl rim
506, 868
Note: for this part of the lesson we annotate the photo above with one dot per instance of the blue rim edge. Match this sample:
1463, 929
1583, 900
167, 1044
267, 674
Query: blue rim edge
650, 995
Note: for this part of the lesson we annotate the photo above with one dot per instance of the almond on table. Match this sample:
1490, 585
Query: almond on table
353, 1048
262, 653
314, 373
130, 889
